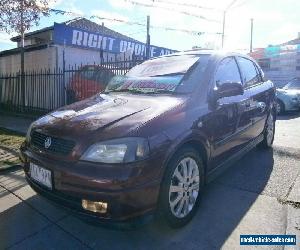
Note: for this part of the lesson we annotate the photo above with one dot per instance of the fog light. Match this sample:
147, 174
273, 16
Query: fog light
94, 206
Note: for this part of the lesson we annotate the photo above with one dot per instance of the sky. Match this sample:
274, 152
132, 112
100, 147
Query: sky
275, 21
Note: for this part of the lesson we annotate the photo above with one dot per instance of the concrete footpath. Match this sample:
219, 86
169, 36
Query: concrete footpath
258, 195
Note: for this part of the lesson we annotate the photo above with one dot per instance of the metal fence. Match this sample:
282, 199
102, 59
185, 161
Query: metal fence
49, 89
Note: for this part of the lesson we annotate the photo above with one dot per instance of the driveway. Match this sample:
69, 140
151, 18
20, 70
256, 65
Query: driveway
257, 195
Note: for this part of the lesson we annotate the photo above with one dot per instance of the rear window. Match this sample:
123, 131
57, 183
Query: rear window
96, 74
87, 72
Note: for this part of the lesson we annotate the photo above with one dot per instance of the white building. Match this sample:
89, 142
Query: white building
281, 62
78, 41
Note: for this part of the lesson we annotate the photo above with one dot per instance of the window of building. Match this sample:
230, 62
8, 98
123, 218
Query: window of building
274, 69
264, 63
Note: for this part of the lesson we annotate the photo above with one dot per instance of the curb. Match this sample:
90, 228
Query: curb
7, 168
13, 131
21, 115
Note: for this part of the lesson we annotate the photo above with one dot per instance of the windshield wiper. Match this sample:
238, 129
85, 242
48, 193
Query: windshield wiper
125, 90
161, 91
169, 74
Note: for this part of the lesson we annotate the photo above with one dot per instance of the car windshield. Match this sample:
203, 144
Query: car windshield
160, 75
96, 74
87, 72
294, 84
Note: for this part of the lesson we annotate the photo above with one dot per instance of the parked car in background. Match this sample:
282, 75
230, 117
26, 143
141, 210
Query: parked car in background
288, 97
154, 138
88, 81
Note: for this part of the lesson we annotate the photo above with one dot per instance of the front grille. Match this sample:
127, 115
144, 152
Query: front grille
58, 145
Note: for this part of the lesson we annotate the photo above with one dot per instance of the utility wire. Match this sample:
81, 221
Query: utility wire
160, 27
240, 4
136, 32
185, 5
230, 5
172, 9
191, 32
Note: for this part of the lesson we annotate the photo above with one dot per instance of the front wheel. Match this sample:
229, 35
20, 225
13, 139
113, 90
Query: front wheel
181, 187
269, 132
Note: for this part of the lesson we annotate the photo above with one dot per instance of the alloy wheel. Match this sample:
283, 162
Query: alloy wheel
184, 188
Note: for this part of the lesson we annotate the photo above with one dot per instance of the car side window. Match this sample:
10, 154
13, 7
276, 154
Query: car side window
227, 71
249, 71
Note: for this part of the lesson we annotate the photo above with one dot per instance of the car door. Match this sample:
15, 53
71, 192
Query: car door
228, 113
258, 97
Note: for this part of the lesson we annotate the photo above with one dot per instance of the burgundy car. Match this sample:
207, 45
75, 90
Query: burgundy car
89, 80
154, 138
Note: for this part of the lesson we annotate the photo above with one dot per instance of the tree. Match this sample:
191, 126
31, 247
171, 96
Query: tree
19, 16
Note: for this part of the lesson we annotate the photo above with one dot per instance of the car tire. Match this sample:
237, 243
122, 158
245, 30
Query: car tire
280, 108
181, 187
269, 132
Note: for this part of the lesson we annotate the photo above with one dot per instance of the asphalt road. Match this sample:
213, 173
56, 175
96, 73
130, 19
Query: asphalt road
257, 195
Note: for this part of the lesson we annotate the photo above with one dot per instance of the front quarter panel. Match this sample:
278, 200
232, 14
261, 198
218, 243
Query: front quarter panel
175, 129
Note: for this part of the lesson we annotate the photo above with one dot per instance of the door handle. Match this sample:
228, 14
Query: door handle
261, 106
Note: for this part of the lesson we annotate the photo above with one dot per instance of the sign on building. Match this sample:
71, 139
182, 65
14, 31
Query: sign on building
66, 35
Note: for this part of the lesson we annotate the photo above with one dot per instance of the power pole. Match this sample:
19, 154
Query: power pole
251, 36
223, 30
224, 19
148, 38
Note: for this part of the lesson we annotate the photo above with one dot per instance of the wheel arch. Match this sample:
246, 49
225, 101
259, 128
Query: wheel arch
198, 145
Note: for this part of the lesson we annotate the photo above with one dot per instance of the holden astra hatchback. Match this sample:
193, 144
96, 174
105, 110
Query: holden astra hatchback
153, 139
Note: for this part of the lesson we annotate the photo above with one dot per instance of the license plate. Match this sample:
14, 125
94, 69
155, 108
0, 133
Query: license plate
41, 175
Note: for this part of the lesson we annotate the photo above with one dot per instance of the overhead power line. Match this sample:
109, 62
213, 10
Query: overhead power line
239, 5
230, 5
191, 32
185, 5
136, 32
173, 9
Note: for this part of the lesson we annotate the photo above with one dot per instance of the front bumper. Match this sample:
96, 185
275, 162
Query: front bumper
294, 104
128, 190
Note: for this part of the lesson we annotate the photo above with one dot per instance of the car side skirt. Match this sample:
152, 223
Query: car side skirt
214, 173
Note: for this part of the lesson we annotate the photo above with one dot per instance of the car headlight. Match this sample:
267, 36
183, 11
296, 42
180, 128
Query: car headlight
121, 150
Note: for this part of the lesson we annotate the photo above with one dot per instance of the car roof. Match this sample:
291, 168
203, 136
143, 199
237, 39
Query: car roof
215, 53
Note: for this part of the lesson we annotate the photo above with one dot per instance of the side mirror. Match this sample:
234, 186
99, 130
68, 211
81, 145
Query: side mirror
229, 89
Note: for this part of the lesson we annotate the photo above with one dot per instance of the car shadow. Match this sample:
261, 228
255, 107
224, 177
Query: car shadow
225, 202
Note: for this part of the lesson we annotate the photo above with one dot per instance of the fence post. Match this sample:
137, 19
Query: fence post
1, 84
64, 79
23, 103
